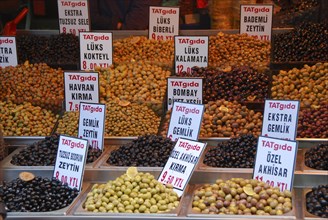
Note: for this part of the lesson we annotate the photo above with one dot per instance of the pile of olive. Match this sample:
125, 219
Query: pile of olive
235, 153
37, 195
25, 120
317, 157
145, 151
313, 123
306, 42
239, 196
141, 48
122, 119
317, 201
307, 84
225, 119
227, 50
239, 83
295, 12
139, 193
43, 153
130, 119
137, 82
57, 49
35, 83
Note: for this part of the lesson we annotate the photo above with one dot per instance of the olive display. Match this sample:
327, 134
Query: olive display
37, 83
137, 82
228, 50
225, 119
133, 192
295, 12
239, 196
317, 157
25, 119
37, 195
306, 42
313, 122
225, 50
239, 83
235, 153
145, 151
43, 153
59, 50
122, 119
307, 84
136, 48
317, 201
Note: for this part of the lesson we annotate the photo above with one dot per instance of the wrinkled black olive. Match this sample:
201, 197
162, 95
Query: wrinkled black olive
34, 199
44, 153
145, 151
317, 157
316, 203
235, 153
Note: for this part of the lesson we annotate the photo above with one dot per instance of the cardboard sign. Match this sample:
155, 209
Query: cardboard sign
70, 161
92, 124
8, 52
181, 164
189, 90
189, 52
185, 121
275, 162
96, 49
73, 16
256, 21
280, 119
163, 23
80, 87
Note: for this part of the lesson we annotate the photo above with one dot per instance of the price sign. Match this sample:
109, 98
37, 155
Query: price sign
92, 124
189, 52
185, 121
70, 161
256, 21
280, 119
8, 53
163, 23
275, 162
80, 87
96, 49
181, 164
73, 16
189, 90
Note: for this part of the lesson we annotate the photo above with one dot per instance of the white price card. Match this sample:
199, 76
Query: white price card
256, 21
163, 23
96, 50
181, 164
92, 124
73, 16
80, 87
280, 119
181, 89
185, 121
190, 51
8, 52
275, 162
70, 161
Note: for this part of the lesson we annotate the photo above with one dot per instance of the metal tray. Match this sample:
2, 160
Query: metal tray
61, 212
309, 169
191, 213
308, 215
82, 212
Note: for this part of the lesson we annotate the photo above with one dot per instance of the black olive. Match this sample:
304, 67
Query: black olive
316, 203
